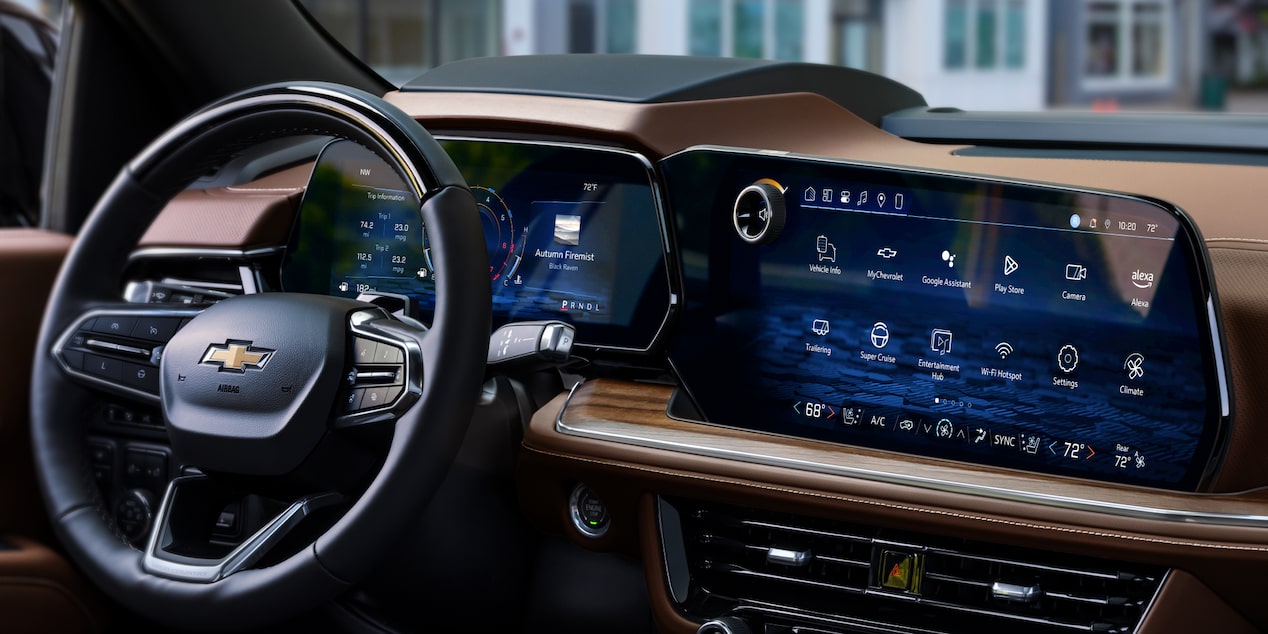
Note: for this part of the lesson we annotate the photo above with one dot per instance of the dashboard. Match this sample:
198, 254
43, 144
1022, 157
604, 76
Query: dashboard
847, 259
813, 338
573, 233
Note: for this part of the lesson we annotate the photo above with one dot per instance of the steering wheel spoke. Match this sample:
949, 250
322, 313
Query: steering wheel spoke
385, 374
118, 348
182, 547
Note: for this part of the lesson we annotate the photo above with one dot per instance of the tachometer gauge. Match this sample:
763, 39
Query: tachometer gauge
503, 239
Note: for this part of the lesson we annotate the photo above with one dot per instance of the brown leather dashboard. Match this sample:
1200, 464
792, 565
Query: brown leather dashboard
1219, 538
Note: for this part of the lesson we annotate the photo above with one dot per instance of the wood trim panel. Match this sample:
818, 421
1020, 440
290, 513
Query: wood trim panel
610, 407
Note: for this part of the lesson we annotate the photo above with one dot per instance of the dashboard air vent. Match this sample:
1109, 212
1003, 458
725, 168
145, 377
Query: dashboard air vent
789, 571
193, 277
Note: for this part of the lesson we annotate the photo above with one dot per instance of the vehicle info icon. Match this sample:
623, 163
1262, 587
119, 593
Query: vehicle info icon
567, 230
825, 250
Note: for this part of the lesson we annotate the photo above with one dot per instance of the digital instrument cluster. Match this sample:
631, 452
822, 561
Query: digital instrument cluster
1014, 325
572, 233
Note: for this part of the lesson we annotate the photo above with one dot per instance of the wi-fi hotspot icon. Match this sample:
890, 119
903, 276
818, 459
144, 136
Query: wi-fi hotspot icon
1004, 349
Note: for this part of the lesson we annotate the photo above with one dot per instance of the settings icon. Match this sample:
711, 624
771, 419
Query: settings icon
1068, 358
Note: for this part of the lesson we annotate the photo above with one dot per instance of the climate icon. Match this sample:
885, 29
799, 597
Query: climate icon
1135, 365
1004, 349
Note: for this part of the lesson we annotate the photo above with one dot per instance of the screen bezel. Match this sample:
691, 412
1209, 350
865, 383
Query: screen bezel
718, 167
656, 305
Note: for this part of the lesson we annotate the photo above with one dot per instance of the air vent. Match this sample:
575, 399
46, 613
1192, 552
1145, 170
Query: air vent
180, 292
194, 277
785, 570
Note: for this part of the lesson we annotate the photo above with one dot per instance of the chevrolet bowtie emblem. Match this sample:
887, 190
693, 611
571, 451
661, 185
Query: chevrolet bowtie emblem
236, 356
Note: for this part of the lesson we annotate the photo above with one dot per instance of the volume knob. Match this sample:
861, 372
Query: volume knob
759, 213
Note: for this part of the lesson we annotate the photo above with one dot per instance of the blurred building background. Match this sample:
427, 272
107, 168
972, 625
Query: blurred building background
972, 54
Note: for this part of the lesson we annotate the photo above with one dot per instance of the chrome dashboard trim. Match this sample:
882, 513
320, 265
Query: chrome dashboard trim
201, 252
1220, 371
662, 220
936, 484
1153, 601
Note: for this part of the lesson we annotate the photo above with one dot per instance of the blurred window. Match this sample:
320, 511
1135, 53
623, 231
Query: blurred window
1015, 34
602, 26
769, 29
1148, 24
402, 38
1003, 54
750, 16
620, 17
1127, 41
990, 33
957, 34
858, 34
986, 19
705, 24
581, 21
788, 26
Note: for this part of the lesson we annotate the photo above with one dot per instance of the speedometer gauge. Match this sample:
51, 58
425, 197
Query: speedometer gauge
502, 238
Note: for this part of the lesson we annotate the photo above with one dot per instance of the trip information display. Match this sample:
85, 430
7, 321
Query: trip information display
572, 234
1019, 326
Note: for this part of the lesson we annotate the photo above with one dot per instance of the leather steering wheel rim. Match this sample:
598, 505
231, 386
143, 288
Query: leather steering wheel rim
425, 438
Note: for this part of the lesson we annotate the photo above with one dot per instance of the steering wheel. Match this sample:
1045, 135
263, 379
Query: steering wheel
252, 388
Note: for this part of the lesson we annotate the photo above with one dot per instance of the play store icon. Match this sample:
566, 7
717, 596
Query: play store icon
1010, 265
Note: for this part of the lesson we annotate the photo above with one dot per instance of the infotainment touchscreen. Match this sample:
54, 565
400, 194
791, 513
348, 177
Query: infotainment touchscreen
572, 233
1006, 324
